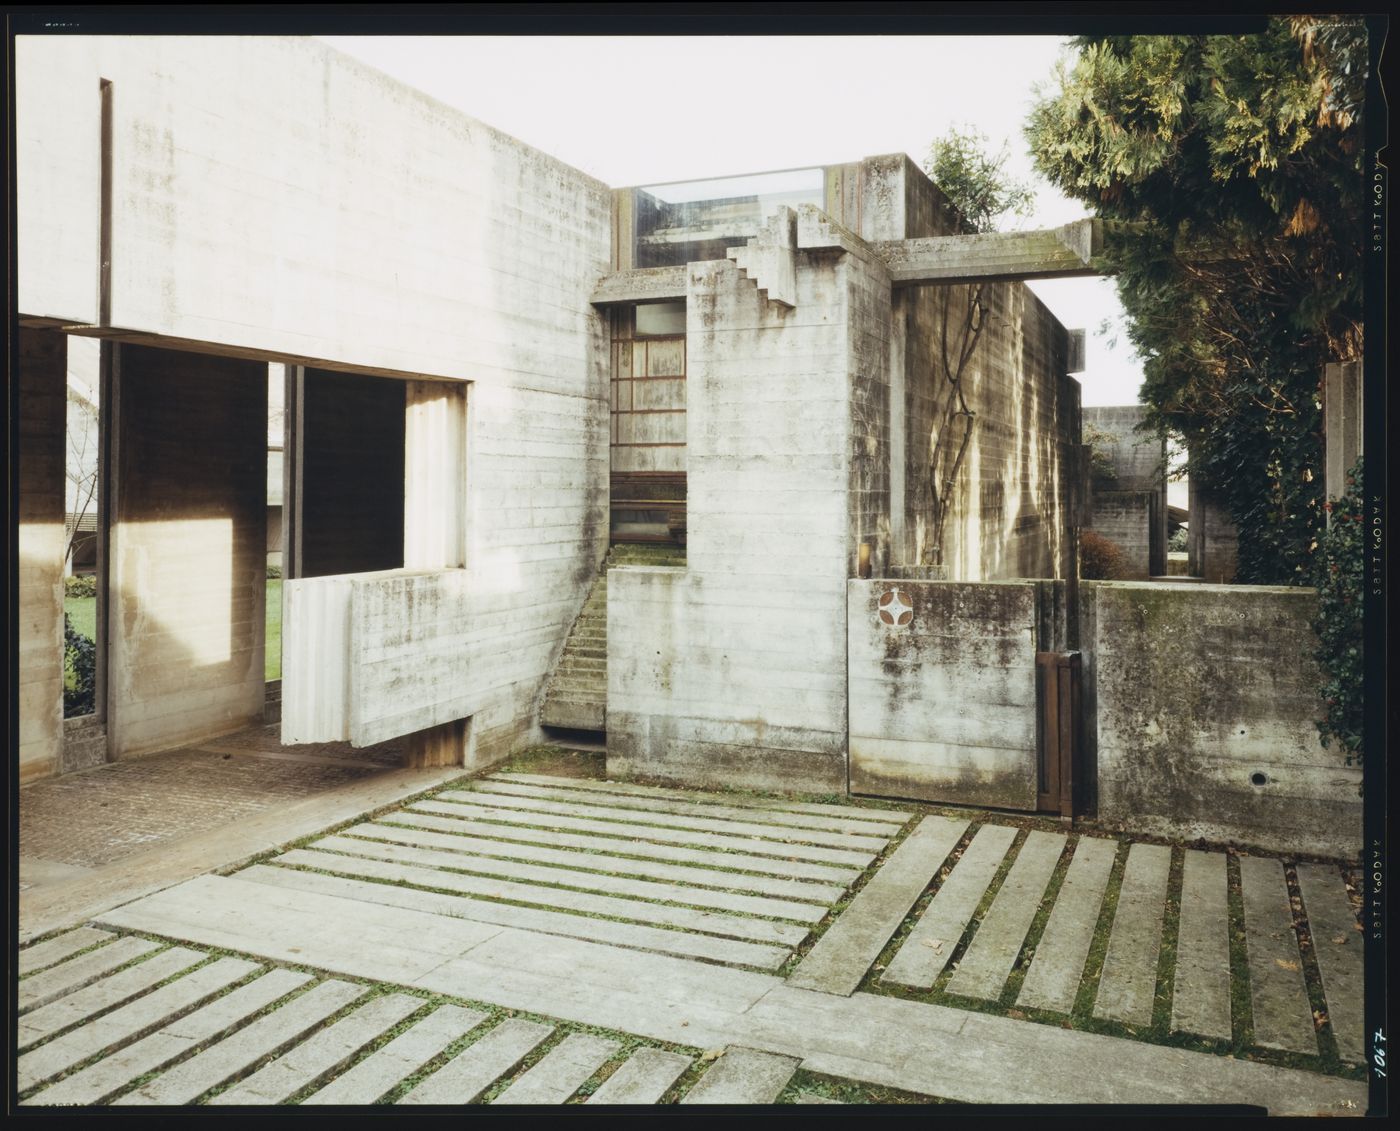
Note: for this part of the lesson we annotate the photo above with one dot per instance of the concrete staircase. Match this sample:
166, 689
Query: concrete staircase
577, 695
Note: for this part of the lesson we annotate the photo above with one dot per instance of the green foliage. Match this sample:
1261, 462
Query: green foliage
80, 586
274, 572
1340, 579
1176, 543
975, 180
1100, 558
1100, 457
1234, 166
79, 672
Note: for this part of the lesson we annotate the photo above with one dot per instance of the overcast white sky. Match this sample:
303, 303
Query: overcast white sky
643, 110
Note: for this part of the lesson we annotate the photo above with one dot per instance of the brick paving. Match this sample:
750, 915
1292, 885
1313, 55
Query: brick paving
112, 812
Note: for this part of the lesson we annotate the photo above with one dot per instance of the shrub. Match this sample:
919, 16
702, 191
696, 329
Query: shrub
1100, 559
1339, 574
79, 672
80, 586
1176, 544
274, 572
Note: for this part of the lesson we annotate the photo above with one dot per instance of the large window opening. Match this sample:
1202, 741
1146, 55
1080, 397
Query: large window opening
84, 601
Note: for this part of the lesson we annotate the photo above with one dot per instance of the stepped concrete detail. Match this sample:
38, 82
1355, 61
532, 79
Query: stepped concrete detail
576, 697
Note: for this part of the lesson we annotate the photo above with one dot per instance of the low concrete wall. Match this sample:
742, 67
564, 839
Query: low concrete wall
942, 696
1202, 701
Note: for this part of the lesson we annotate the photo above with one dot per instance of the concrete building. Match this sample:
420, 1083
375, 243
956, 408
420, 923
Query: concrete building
1129, 479
848, 408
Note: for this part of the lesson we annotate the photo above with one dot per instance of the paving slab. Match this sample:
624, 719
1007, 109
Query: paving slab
574, 878
1128, 984
99, 1082
636, 910
53, 950
51, 984
542, 809
1201, 994
397, 831
642, 1079
635, 935
190, 1079
841, 957
430, 815
130, 1022
1337, 943
318, 1056
1282, 1012
561, 1072
921, 1047
665, 808
743, 1076
629, 789
1052, 982
372, 1077
480, 1065
988, 960
106, 993
927, 948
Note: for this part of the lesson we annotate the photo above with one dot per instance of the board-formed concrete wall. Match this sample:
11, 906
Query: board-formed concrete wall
942, 692
733, 670
272, 198
42, 446
1205, 699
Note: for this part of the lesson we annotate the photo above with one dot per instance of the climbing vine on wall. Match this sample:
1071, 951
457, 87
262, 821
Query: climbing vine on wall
1340, 580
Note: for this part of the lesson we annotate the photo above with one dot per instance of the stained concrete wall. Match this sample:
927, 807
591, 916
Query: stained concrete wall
1130, 491
733, 670
1343, 402
1125, 518
188, 548
943, 698
42, 400
275, 198
1212, 542
1201, 703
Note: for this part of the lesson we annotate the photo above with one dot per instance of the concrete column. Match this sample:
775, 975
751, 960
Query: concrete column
1343, 399
42, 440
188, 544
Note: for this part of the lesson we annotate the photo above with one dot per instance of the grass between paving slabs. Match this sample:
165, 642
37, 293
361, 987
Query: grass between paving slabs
808, 1083
1081, 1015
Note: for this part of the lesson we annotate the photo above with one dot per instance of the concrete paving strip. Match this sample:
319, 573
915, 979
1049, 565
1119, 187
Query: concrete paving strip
397, 830
927, 948
1201, 994
372, 1077
1128, 984
451, 819
627, 789
783, 836
477, 1067
562, 1071
841, 957
53, 983
322, 1054
733, 951
47, 907
631, 832
106, 993
53, 950
130, 1022
572, 877
684, 918
987, 963
1340, 954
920, 1047
743, 1076
100, 1081
1053, 979
190, 1079
665, 807
642, 1079
1282, 1013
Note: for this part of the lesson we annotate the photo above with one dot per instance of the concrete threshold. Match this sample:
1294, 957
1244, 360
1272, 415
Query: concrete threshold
56, 899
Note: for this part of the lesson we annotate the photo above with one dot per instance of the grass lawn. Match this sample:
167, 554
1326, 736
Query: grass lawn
82, 612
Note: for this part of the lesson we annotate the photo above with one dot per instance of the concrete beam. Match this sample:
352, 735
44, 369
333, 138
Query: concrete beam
1049, 253
643, 284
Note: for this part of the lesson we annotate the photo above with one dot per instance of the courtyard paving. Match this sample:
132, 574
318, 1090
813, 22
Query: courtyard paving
533, 938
